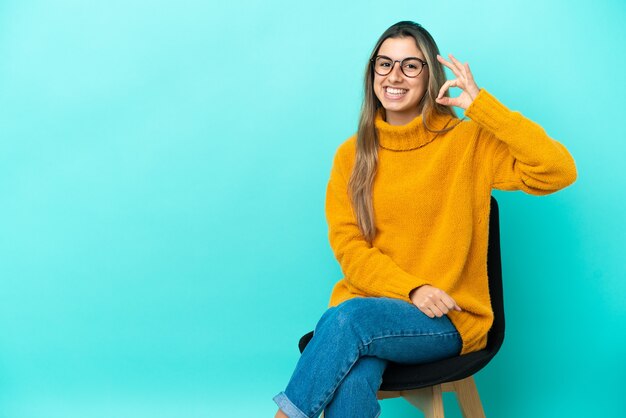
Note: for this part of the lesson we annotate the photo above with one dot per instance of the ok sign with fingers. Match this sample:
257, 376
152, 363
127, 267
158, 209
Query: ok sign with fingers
464, 80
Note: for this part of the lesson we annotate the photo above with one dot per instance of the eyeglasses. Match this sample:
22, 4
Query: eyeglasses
411, 66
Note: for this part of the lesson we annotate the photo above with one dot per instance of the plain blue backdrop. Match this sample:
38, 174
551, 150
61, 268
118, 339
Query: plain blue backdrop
162, 175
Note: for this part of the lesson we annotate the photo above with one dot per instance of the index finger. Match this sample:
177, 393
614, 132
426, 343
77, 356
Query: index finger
450, 303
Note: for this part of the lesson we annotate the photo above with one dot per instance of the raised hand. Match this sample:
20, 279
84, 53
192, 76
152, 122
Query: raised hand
464, 80
433, 301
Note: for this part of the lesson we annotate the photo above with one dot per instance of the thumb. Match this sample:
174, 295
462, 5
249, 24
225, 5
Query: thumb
448, 101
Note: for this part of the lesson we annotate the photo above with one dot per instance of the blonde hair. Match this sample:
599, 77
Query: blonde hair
362, 178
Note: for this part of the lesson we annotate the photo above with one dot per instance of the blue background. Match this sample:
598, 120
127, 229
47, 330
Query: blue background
162, 176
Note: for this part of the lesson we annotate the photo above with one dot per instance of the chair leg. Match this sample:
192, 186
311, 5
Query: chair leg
428, 400
468, 398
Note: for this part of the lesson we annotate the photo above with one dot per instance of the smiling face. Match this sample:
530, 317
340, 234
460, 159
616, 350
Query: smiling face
399, 94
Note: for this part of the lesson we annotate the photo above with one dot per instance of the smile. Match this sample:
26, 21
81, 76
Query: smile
394, 93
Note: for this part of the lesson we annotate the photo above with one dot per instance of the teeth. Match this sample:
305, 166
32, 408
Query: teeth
391, 90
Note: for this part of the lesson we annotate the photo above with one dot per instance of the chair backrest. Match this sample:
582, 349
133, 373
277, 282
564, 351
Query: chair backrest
494, 272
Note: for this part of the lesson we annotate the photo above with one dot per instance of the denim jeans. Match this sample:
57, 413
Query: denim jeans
340, 370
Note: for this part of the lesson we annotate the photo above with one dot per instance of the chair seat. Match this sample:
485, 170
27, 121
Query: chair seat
407, 377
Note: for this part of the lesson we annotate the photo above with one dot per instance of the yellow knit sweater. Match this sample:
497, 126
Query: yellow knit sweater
431, 198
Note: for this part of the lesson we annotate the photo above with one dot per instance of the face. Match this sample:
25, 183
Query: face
398, 93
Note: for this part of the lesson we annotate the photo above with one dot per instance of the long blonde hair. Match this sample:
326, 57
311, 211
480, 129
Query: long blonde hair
362, 178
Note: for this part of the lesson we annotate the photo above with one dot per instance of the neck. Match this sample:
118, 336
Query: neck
401, 118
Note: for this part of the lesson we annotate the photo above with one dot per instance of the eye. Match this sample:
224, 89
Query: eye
383, 63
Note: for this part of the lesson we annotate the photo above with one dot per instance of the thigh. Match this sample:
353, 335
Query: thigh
395, 330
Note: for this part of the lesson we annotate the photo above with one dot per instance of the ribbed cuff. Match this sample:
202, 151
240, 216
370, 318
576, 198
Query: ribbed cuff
404, 285
490, 113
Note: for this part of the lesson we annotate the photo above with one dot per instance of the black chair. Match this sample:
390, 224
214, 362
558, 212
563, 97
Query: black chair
423, 384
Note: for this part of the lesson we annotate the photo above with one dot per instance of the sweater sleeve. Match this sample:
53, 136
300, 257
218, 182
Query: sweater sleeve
520, 153
364, 266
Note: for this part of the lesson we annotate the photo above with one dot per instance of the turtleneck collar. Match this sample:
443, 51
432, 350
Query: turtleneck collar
411, 136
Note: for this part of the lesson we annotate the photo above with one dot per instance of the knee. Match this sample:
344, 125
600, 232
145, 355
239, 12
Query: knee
344, 316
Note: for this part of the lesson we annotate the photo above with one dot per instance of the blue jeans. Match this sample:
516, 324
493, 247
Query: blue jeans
341, 369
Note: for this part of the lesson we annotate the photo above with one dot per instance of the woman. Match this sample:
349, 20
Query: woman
407, 206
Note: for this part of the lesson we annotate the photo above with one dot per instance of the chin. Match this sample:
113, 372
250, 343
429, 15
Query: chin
398, 109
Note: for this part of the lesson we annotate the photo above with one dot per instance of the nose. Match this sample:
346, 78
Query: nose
396, 72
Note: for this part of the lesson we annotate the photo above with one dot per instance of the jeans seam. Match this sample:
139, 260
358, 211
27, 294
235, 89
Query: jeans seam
440, 334
363, 346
